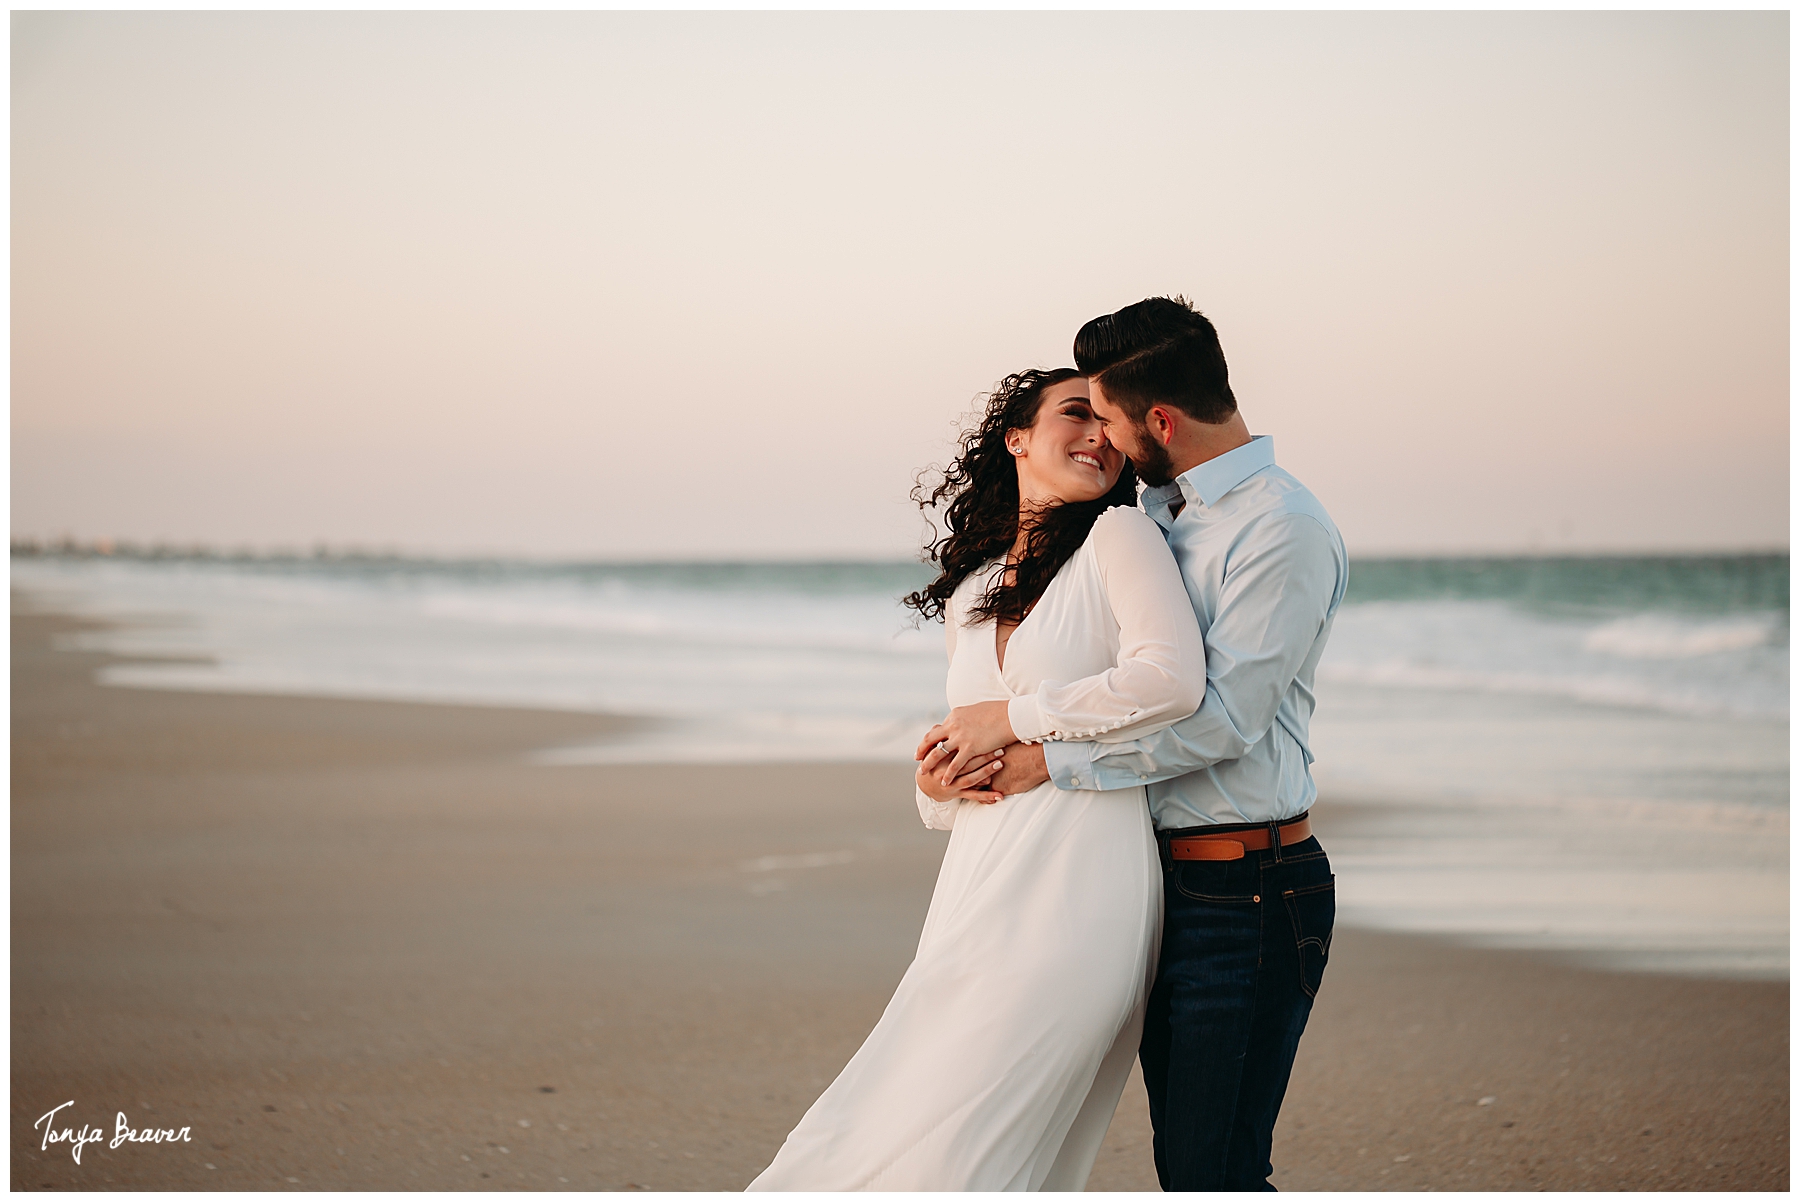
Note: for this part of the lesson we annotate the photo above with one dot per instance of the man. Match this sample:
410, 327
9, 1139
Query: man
1248, 892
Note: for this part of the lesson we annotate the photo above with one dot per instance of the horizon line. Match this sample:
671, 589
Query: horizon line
326, 551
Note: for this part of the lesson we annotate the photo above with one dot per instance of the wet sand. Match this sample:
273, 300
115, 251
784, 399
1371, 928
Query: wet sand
364, 945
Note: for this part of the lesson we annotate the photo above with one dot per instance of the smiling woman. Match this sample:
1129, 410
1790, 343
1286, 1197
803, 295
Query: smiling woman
1032, 479
1002, 1054
1020, 488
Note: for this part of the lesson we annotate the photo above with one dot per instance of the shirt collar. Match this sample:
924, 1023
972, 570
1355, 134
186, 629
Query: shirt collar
1211, 480
1206, 483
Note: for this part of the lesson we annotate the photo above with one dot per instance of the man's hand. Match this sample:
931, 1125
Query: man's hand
971, 731
1022, 769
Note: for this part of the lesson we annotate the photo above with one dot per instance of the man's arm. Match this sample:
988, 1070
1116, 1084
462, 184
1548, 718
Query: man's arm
1276, 594
1022, 770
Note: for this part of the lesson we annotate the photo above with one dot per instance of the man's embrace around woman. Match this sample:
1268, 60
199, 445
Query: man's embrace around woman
1127, 753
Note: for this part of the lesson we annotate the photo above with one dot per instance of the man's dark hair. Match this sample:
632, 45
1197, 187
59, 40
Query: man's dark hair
1160, 351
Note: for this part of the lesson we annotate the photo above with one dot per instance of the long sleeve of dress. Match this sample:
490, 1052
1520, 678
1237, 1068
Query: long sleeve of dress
1160, 674
940, 815
1275, 599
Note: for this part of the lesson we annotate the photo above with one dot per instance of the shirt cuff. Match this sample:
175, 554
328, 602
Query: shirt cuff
1026, 717
1068, 766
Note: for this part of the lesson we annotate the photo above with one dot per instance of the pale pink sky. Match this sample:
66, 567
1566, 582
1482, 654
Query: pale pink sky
703, 284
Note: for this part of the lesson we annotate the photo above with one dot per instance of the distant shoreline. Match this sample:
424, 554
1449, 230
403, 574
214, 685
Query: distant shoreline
1695, 582
122, 548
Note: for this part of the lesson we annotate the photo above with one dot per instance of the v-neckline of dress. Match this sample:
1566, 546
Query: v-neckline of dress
994, 643
999, 652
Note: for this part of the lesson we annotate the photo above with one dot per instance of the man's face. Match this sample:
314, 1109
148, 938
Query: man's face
1148, 456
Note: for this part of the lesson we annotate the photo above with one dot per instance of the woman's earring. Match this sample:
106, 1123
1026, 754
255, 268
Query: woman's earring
1016, 450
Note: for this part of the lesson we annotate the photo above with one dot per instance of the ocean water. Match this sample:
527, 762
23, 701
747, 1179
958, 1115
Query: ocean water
1587, 754
728, 662
1582, 755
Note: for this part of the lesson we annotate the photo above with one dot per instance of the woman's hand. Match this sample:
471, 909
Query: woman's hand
971, 731
967, 787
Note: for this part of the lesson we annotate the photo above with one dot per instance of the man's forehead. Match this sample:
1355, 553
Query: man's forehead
1101, 402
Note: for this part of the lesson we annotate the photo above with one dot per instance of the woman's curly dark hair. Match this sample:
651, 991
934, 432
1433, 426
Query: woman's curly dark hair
982, 518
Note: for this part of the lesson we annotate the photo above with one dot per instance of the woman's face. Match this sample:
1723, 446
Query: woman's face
1064, 456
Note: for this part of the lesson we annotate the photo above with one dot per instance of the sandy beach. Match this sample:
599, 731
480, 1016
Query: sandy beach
358, 945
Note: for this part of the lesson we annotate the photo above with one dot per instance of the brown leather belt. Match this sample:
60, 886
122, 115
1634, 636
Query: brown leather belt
1231, 845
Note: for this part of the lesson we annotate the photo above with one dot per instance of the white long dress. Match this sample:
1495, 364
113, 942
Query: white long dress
1002, 1055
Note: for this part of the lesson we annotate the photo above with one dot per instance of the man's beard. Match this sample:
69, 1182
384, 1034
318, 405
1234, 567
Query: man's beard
1155, 468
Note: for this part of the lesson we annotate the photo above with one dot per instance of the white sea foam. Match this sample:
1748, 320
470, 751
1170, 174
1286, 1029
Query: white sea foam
1647, 636
1698, 699
1676, 664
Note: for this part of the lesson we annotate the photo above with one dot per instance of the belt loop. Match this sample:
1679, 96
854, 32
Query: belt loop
1164, 852
1275, 839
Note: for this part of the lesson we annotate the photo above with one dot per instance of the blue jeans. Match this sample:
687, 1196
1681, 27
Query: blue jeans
1243, 950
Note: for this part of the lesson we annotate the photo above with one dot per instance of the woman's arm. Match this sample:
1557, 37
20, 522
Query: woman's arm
1160, 676
1284, 582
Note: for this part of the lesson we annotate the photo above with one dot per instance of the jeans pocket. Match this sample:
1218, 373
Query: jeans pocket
1230, 883
1312, 910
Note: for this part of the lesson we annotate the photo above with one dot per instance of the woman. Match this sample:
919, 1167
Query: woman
1001, 1057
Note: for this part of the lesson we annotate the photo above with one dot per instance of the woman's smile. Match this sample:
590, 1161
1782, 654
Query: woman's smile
1063, 455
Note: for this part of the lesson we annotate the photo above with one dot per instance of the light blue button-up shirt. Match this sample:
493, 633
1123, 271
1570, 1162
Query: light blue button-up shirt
1266, 570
